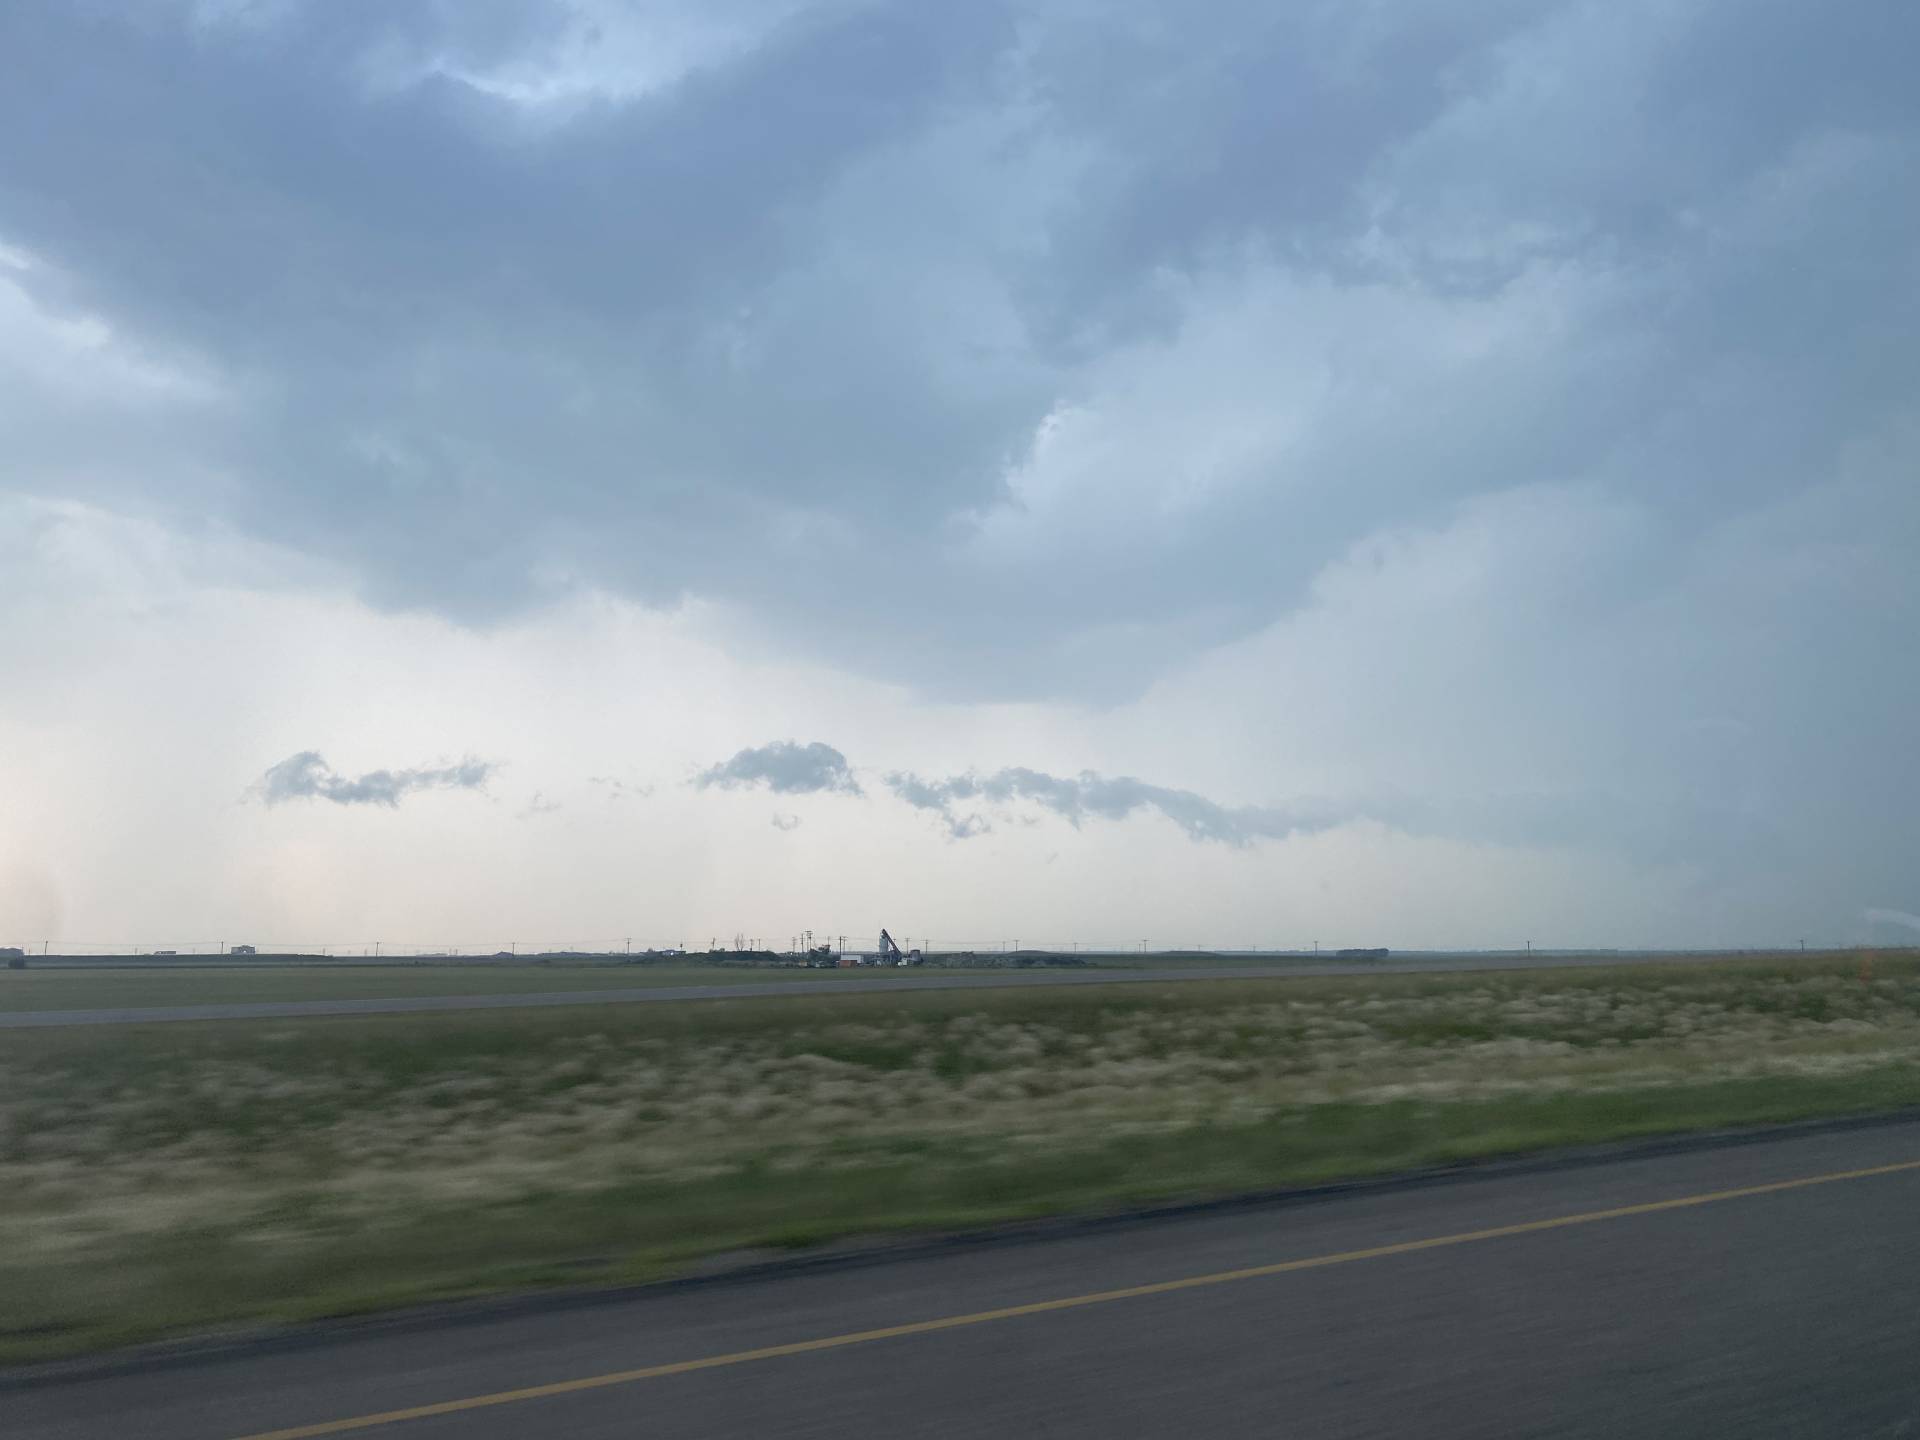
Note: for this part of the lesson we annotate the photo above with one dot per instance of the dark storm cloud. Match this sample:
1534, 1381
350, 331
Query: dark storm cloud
1089, 795
1037, 350
479, 346
784, 767
307, 776
806, 305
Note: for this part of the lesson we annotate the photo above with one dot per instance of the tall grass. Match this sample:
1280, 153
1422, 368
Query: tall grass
160, 1178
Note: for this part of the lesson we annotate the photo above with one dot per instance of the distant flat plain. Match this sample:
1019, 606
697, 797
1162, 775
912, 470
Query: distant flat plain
92, 987
60, 986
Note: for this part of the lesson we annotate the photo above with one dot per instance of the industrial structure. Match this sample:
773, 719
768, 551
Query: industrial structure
892, 954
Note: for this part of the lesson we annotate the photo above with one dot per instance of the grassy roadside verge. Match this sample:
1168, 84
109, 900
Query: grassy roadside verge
174, 1179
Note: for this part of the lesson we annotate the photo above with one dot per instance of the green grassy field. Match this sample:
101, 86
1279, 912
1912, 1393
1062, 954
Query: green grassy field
162, 1179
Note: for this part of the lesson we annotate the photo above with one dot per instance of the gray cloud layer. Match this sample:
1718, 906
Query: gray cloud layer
1087, 794
307, 776
784, 767
1537, 373
1044, 292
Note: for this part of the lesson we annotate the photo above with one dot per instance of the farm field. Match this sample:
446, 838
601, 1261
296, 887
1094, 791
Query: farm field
166, 1179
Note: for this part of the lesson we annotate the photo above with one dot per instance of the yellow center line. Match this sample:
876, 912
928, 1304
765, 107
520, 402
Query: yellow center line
1044, 1307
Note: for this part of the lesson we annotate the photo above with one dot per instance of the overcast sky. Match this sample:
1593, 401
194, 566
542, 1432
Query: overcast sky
1405, 472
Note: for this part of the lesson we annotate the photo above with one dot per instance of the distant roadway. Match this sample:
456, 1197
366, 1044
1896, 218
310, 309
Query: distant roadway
1764, 1289
887, 981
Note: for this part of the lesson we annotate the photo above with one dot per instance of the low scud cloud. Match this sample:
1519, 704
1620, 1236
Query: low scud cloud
961, 801
307, 776
784, 767
1089, 795
614, 788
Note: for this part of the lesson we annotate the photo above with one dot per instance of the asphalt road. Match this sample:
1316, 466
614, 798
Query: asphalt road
892, 982
1637, 1297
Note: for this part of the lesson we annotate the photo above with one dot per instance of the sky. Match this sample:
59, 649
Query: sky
566, 472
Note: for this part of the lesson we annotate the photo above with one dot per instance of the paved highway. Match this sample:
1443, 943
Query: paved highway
890, 981
1756, 1290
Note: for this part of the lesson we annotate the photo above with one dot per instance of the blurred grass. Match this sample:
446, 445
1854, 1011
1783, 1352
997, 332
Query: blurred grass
209, 1175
